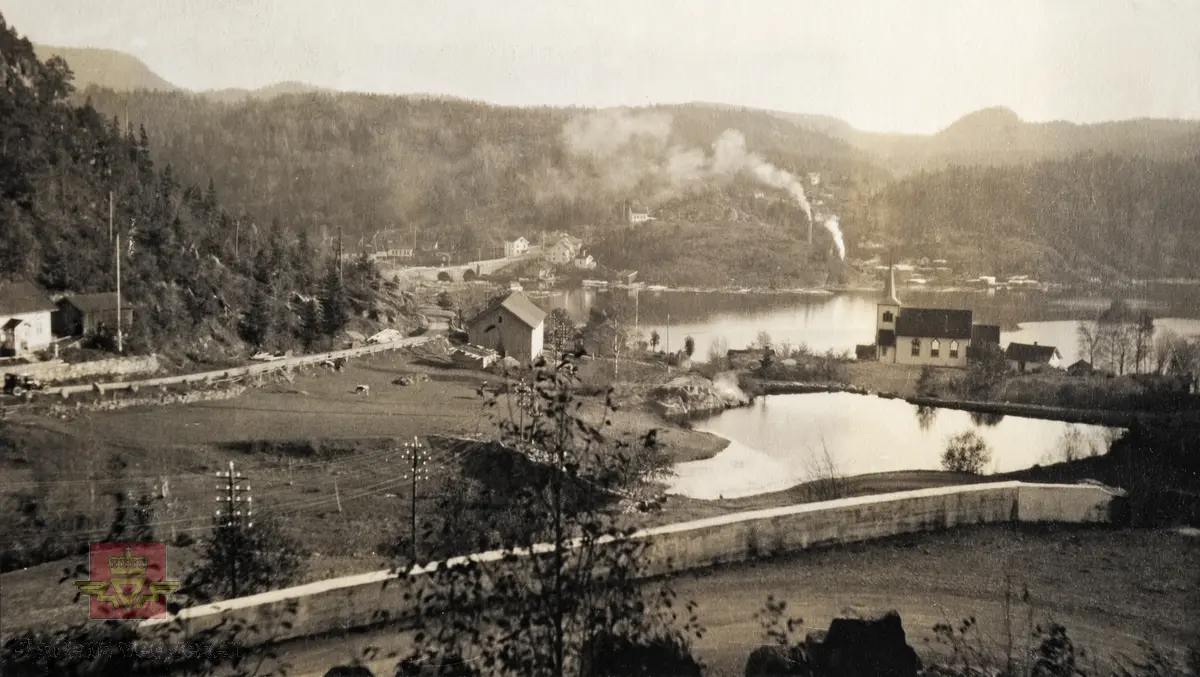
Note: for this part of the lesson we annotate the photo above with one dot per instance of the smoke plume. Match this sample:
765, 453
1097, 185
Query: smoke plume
831, 224
617, 150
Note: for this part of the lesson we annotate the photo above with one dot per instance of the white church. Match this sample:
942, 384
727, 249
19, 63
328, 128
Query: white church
938, 337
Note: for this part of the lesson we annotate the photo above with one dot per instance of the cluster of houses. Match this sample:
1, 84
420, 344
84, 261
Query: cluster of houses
31, 321
943, 337
562, 250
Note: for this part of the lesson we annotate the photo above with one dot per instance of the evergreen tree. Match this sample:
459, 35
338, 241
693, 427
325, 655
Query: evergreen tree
335, 306
310, 328
256, 324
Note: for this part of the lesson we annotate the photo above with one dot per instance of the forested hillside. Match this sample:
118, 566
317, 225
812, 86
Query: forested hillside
470, 170
1093, 215
206, 281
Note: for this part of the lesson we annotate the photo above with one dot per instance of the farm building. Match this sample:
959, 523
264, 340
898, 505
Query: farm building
24, 319
82, 314
1025, 357
512, 326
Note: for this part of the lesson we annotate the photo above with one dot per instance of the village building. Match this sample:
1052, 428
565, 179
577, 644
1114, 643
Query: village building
626, 276
24, 319
517, 247
85, 314
512, 326
564, 251
937, 337
584, 261
1031, 357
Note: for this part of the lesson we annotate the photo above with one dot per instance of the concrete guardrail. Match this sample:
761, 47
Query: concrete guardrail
364, 600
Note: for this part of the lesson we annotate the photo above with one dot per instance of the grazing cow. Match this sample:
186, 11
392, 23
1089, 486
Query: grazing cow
363, 389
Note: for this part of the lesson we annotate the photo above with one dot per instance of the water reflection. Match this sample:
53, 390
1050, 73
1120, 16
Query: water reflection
840, 321
777, 443
926, 416
986, 418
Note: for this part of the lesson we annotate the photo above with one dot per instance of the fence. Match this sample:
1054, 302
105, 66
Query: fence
235, 372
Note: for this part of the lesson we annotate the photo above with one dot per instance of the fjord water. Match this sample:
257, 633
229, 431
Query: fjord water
784, 440
840, 321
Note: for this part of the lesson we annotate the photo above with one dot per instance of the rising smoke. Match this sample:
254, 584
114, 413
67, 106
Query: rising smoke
831, 224
621, 150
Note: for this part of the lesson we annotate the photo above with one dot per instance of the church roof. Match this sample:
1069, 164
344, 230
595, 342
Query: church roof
934, 323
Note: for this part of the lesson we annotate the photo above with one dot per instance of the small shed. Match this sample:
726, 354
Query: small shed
627, 277
865, 352
83, 314
1080, 368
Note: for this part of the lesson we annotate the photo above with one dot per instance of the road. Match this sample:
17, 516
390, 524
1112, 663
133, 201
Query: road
1109, 588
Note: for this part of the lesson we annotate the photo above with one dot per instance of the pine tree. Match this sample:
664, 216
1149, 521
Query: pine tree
310, 324
256, 324
335, 307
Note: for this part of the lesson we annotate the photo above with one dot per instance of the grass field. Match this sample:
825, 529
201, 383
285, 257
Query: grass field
307, 446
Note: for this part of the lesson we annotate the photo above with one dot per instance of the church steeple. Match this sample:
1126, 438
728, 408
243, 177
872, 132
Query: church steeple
889, 287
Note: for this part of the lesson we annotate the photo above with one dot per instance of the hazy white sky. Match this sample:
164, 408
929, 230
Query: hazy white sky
906, 65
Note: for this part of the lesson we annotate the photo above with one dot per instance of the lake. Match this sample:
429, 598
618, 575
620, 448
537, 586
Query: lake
782, 440
840, 321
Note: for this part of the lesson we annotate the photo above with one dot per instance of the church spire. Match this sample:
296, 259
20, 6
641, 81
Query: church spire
889, 287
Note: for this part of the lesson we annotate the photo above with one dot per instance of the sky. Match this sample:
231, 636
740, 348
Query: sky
882, 65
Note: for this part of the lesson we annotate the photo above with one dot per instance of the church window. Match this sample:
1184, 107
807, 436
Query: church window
916, 347
954, 349
935, 347
887, 316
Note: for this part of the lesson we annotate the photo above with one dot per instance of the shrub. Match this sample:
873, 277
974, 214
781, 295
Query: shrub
927, 385
966, 452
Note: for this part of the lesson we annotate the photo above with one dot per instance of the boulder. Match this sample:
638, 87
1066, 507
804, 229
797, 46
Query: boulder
349, 671
852, 647
856, 647
774, 660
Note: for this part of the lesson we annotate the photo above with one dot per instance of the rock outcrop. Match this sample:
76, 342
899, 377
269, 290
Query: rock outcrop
692, 395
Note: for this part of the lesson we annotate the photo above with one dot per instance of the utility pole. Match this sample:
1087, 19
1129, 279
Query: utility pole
233, 519
415, 453
668, 344
237, 239
120, 334
339, 254
110, 216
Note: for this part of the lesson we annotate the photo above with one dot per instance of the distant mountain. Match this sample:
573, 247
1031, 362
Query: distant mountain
234, 95
998, 137
106, 68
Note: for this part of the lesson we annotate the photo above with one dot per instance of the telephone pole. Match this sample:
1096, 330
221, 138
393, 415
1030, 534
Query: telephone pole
110, 216
120, 343
233, 518
417, 456
339, 254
